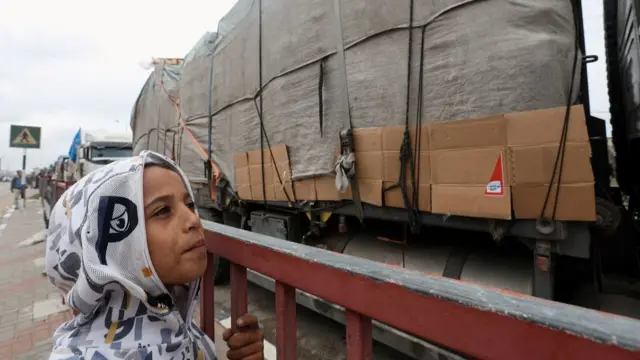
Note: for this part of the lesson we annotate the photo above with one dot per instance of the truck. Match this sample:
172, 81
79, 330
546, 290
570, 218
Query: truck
317, 127
94, 150
99, 148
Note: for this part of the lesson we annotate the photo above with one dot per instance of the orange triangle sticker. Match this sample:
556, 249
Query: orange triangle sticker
495, 187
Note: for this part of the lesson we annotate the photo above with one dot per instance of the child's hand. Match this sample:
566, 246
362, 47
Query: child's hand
247, 343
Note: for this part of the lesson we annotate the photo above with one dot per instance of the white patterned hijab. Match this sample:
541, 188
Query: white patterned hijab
97, 256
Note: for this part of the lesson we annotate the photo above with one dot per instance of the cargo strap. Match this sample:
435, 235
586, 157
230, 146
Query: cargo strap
546, 224
345, 166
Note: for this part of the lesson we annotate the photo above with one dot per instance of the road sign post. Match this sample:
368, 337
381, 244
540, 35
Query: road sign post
24, 137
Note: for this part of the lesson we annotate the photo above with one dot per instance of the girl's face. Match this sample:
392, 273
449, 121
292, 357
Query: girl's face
175, 236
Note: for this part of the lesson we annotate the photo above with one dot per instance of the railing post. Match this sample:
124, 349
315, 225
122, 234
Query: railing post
286, 327
238, 294
359, 337
207, 297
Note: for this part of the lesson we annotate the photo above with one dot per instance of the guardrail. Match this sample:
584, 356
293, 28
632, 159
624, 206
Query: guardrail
467, 319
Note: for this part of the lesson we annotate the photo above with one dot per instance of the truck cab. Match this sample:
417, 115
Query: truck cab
97, 150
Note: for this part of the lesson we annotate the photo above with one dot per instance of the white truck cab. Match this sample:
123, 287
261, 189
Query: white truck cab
98, 149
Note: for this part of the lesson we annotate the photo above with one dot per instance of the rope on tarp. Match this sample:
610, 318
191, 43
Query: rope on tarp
545, 223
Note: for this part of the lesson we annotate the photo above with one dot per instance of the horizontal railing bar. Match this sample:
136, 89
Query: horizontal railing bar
475, 320
383, 333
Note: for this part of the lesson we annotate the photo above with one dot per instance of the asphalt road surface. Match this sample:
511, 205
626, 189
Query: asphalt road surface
319, 338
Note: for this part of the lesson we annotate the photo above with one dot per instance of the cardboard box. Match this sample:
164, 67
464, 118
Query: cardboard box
244, 192
494, 167
393, 196
243, 180
378, 165
392, 140
258, 157
326, 188
283, 185
471, 182
470, 169
576, 202
369, 164
305, 189
369, 171
501, 166
281, 174
256, 177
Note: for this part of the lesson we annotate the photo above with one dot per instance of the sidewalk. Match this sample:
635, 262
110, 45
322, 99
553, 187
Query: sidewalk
30, 307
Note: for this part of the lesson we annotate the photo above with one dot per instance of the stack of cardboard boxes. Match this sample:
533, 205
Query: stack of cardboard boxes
495, 167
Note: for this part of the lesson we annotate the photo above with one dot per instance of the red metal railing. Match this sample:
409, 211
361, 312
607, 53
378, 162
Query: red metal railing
474, 321
471, 320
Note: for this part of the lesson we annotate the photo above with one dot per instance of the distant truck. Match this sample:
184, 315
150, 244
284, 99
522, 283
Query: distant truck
61, 168
98, 149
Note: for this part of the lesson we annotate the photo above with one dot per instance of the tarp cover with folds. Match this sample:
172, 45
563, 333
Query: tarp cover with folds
478, 57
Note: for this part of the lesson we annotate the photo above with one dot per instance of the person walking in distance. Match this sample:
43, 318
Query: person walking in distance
17, 188
23, 193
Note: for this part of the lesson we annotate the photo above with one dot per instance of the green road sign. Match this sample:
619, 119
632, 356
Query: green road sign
25, 137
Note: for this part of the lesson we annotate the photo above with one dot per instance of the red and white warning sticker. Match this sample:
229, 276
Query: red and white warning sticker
495, 187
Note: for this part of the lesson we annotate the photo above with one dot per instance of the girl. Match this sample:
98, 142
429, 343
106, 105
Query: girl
125, 247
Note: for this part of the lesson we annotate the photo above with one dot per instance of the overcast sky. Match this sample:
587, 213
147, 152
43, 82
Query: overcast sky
72, 63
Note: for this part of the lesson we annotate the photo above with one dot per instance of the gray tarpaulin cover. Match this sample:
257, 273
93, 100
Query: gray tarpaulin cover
479, 57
